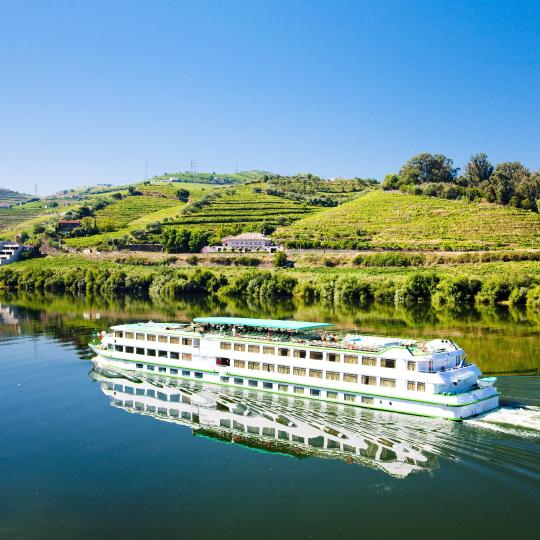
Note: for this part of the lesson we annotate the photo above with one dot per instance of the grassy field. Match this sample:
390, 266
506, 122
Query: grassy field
398, 221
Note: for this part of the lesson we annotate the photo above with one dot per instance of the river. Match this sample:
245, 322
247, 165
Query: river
98, 455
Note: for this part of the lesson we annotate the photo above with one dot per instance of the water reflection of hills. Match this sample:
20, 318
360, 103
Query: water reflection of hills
261, 421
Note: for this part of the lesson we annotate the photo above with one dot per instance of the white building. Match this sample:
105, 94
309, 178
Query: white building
251, 241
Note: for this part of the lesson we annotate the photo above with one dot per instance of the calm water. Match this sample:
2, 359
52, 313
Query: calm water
95, 455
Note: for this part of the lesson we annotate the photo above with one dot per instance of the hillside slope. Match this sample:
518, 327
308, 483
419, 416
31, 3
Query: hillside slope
390, 220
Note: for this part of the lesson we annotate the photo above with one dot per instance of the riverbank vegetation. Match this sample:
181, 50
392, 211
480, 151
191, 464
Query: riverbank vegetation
516, 283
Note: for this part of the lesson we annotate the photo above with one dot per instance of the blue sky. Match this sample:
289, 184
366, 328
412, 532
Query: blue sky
90, 91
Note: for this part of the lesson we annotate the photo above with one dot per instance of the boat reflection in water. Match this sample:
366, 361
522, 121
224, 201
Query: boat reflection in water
279, 424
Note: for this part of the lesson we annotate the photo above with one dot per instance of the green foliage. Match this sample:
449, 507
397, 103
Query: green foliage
182, 195
280, 259
426, 167
247, 261
177, 240
389, 259
418, 288
192, 260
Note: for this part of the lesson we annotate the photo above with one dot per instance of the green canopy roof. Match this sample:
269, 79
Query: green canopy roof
296, 326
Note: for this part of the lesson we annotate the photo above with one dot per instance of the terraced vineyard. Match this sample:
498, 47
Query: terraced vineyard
119, 214
398, 221
240, 209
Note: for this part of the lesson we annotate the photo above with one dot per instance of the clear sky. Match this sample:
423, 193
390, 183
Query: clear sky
91, 90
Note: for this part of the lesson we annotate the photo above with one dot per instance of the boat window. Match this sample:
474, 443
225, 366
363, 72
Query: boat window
299, 353
316, 355
186, 356
350, 377
238, 381
139, 391
119, 348
162, 354
411, 366
239, 347
387, 363
139, 350
174, 340
283, 352
268, 367
299, 371
369, 380
151, 352
174, 371
224, 379
316, 373
129, 350
369, 361
174, 356
368, 400
253, 430
296, 438
388, 383
349, 397
239, 364
269, 350
174, 412
150, 337
186, 373
350, 359
283, 388
128, 390
162, 370
139, 336
421, 387
129, 335
187, 341
110, 346
254, 365
253, 383
314, 392
163, 339
411, 385
268, 385
198, 375
225, 345
332, 357
150, 368
332, 395
254, 348
283, 435
332, 375
298, 390
269, 432
139, 366
118, 334
284, 369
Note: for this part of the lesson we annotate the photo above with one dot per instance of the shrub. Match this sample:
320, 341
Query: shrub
192, 260
280, 259
418, 288
247, 261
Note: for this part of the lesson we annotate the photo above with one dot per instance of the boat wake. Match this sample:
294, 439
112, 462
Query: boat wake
519, 421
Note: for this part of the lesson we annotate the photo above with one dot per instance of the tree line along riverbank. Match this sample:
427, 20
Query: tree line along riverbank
515, 282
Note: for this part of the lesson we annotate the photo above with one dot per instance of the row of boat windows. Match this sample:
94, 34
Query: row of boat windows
265, 384
313, 355
141, 336
150, 352
315, 373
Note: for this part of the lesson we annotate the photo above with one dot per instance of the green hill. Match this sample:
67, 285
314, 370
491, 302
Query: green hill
391, 220
12, 197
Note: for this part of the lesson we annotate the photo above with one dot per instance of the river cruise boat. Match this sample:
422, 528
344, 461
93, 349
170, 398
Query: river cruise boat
305, 359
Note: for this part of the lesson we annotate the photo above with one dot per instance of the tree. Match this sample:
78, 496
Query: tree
116, 196
391, 181
280, 259
528, 191
426, 167
132, 191
478, 170
502, 184
182, 195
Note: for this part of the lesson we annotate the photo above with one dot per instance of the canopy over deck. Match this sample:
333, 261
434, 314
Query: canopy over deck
295, 326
